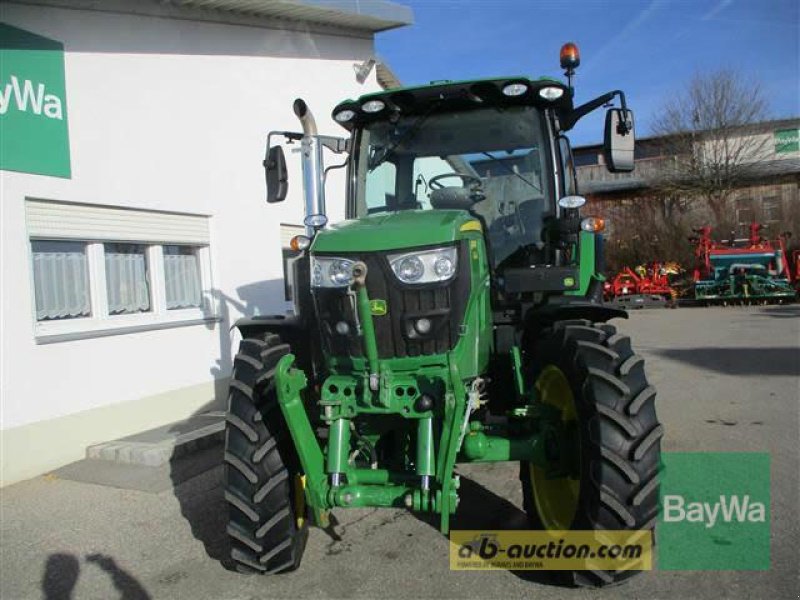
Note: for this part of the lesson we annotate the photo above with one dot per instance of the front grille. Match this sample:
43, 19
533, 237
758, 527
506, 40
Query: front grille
444, 304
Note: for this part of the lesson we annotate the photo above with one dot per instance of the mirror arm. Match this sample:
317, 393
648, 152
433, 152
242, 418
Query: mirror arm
291, 136
581, 111
335, 144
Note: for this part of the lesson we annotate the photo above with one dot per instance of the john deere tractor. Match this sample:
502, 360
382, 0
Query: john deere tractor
455, 316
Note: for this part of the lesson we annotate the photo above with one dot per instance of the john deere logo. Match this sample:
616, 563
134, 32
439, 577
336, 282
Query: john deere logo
378, 307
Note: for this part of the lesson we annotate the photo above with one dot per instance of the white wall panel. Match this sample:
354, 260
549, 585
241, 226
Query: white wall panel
164, 115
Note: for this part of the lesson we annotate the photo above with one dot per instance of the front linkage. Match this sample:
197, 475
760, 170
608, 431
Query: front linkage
331, 480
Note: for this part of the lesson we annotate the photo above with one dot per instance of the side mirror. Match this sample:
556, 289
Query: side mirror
619, 140
277, 177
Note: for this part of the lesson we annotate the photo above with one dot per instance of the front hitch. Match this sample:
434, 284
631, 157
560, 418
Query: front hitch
367, 326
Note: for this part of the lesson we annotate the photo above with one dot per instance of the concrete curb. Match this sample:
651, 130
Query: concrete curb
159, 446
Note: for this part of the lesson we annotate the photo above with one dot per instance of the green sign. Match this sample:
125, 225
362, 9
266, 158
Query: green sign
787, 140
33, 104
715, 511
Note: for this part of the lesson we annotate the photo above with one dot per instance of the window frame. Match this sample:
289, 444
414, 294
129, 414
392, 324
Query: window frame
770, 204
199, 257
32, 274
100, 323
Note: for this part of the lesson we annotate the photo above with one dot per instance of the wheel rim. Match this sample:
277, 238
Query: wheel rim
556, 498
300, 500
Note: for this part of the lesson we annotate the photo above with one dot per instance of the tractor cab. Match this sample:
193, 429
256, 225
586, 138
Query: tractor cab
483, 147
494, 148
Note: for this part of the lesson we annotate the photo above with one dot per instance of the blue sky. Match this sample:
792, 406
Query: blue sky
648, 48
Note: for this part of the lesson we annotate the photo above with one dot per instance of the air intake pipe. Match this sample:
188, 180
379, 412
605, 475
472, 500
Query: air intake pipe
313, 167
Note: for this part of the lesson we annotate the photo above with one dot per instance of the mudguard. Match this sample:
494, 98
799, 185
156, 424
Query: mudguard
561, 308
292, 329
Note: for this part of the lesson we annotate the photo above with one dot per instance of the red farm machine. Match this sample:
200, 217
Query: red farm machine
645, 286
753, 270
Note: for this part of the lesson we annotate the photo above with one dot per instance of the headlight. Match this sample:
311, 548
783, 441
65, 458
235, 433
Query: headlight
331, 271
425, 266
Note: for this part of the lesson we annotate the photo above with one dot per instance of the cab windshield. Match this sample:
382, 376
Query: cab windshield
491, 161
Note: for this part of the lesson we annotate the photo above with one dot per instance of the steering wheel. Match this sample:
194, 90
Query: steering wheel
435, 183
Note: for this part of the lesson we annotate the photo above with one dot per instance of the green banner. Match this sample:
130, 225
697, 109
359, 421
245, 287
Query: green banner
34, 135
715, 511
787, 140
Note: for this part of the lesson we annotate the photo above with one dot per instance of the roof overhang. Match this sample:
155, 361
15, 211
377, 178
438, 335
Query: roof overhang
362, 18
365, 15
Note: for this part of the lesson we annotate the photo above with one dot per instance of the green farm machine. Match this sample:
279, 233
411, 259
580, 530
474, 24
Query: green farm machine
455, 316
753, 270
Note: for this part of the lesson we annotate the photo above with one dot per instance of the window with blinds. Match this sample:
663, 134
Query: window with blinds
182, 277
60, 280
98, 267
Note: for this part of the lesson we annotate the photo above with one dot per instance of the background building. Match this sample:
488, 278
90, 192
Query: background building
650, 220
134, 226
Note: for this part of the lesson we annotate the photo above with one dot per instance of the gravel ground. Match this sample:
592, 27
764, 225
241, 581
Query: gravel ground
728, 380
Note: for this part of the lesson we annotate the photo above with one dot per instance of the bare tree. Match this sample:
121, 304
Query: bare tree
653, 228
711, 144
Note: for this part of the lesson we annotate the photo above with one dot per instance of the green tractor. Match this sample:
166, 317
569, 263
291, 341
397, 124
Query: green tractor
455, 316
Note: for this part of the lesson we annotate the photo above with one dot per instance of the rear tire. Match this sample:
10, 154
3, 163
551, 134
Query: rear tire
267, 535
617, 429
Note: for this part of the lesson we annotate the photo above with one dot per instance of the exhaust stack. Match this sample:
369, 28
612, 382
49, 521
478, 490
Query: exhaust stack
313, 167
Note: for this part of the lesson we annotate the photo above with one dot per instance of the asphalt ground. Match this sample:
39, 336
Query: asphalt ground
728, 380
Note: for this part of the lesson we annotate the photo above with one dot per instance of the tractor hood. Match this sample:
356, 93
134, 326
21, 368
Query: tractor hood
388, 231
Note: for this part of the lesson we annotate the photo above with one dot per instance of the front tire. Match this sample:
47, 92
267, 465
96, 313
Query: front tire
266, 523
590, 373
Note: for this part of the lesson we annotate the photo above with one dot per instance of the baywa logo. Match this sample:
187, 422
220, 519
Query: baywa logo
34, 133
729, 509
715, 511
30, 97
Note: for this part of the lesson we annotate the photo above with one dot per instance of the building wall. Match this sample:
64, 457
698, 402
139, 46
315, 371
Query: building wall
643, 225
164, 114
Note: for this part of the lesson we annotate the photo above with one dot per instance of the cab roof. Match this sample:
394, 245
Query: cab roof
450, 96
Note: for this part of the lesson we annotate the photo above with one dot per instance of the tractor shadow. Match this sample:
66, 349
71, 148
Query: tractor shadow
738, 361
197, 476
202, 502
480, 508
791, 311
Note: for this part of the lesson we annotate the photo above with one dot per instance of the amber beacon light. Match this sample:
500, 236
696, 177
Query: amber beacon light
570, 59
570, 56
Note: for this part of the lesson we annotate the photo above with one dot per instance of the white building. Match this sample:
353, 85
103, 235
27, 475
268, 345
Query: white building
134, 225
